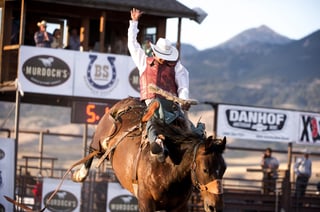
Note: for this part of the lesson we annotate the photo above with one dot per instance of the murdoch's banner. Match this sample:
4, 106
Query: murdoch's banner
67, 199
74, 73
45, 70
120, 200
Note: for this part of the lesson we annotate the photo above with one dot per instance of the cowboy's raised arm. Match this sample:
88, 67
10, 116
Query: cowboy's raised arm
137, 53
135, 14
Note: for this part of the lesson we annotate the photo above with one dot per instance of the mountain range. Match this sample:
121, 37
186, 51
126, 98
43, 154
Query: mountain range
257, 67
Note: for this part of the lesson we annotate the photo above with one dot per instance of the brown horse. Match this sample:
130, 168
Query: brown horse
192, 160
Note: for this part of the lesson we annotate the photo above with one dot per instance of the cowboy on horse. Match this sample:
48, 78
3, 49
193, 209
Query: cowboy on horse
164, 70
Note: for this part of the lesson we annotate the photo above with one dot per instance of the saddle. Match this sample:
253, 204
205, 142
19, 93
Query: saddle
132, 114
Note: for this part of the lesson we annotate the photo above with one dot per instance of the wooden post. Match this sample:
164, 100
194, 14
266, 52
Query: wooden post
85, 135
16, 131
286, 184
102, 30
84, 33
22, 22
178, 45
40, 152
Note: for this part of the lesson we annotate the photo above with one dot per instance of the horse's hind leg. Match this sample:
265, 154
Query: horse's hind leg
81, 174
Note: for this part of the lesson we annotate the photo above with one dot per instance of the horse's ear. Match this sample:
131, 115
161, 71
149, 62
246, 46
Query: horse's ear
208, 142
220, 144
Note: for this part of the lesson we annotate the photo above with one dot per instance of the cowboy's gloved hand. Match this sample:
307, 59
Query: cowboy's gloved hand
185, 106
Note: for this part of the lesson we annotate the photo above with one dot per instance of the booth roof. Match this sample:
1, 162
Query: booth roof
164, 8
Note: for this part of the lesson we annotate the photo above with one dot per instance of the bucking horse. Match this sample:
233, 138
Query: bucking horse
193, 160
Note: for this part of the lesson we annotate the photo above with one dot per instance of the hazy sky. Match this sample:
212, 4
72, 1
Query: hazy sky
226, 18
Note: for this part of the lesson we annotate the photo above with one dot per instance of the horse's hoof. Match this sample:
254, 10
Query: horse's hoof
76, 177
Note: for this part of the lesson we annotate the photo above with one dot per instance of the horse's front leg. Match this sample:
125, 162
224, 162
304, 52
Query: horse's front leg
145, 201
146, 206
81, 174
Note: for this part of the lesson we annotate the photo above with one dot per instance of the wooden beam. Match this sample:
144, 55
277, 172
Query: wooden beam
102, 30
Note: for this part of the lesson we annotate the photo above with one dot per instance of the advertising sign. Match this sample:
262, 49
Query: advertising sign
257, 123
103, 75
75, 73
309, 128
120, 200
7, 166
67, 199
45, 70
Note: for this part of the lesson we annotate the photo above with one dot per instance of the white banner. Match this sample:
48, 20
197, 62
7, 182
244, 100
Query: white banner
103, 75
45, 70
7, 166
68, 198
74, 73
119, 199
309, 128
257, 123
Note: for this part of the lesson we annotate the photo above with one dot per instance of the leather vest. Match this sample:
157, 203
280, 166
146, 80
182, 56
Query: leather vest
162, 75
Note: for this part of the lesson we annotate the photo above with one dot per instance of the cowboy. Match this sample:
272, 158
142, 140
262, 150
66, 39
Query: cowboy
162, 69
43, 38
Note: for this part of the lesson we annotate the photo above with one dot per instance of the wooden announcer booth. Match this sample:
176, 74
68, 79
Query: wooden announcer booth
102, 27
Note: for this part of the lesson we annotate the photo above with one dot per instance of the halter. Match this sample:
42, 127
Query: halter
215, 186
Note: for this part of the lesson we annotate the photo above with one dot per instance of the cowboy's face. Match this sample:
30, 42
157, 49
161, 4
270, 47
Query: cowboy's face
158, 59
42, 28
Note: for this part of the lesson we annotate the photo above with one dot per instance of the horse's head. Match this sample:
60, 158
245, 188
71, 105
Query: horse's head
207, 170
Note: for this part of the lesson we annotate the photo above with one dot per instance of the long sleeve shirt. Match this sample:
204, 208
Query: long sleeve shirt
140, 59
303, 167
43, 39
270, 165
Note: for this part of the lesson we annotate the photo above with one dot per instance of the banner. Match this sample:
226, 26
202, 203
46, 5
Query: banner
104, 76
68, 198
255, 123
45, 70
309, 128
119, 199
7, 166
75, 73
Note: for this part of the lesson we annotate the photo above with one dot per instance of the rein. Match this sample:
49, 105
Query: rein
215, 186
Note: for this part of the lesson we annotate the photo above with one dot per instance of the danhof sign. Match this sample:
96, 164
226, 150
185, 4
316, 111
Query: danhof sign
256, 123
256, 120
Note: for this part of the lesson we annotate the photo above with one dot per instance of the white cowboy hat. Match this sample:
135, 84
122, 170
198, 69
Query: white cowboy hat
42, 23
164, 50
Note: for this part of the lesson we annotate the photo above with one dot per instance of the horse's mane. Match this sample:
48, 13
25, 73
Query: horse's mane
177, 132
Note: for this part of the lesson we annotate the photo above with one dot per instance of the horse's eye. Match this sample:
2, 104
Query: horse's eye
206, 170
